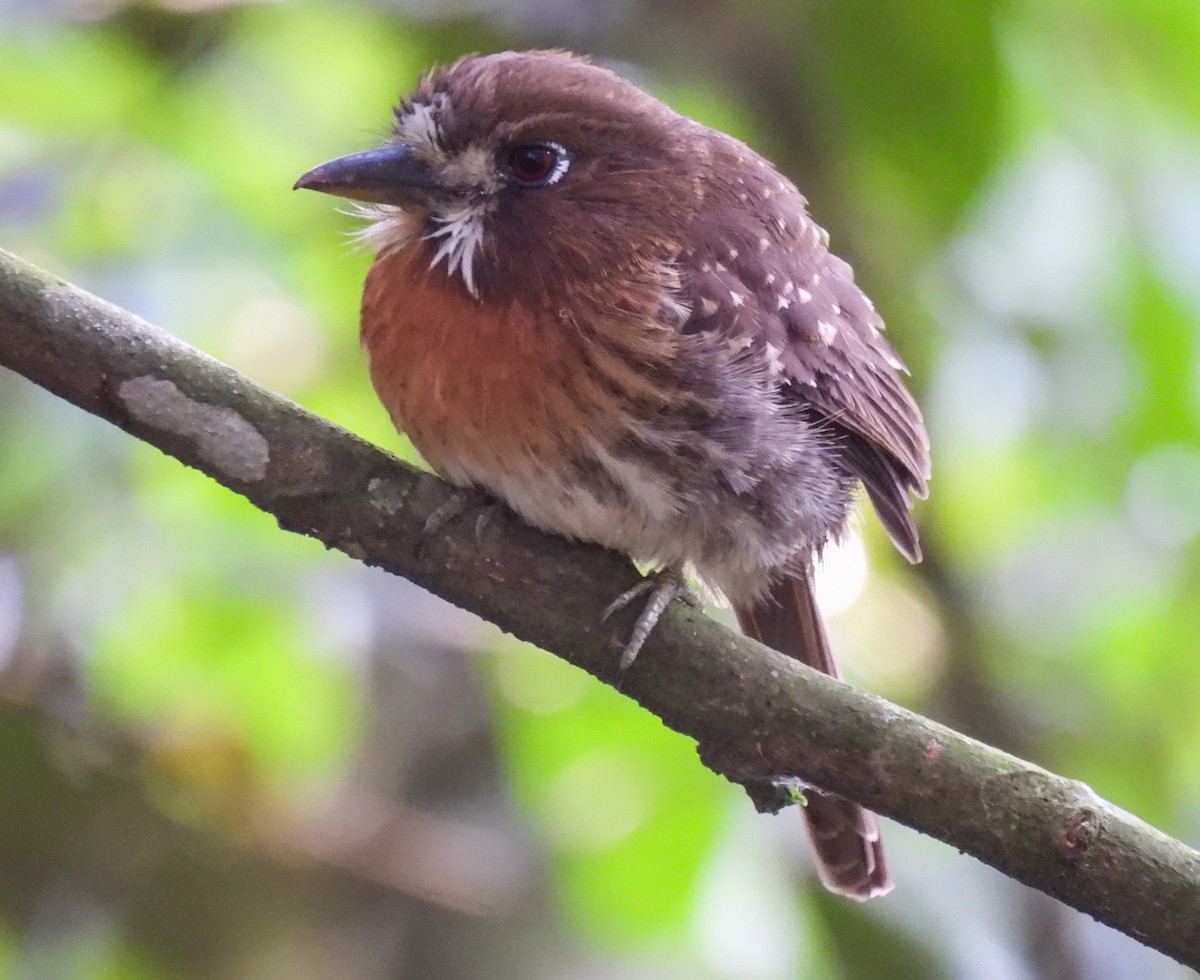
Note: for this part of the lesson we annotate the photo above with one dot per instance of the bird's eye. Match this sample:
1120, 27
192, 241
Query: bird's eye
538, 164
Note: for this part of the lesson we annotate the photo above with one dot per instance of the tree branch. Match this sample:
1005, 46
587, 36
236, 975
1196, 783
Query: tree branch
756, 715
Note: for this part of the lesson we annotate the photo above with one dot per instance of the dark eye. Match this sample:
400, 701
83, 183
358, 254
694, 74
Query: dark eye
538, 164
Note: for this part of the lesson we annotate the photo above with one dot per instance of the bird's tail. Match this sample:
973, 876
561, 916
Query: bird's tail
845, 837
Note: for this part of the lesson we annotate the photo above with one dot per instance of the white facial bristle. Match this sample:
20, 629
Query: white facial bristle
461, 232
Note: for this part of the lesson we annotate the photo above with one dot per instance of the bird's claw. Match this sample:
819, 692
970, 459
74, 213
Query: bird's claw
664, 588
462, 502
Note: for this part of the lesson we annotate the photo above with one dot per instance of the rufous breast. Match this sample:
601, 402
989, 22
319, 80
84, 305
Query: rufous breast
480, 388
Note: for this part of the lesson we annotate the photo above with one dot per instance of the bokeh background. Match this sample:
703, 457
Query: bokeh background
225, 752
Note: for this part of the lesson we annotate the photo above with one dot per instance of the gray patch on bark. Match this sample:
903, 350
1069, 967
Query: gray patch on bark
221, 435
387, 496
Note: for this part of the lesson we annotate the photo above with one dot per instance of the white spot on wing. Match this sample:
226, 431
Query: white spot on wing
826, 331
774, 362
737, 299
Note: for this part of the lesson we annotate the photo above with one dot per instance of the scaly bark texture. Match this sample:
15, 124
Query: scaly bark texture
757, 716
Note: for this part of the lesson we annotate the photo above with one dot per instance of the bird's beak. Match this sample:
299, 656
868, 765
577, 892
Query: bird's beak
391, 174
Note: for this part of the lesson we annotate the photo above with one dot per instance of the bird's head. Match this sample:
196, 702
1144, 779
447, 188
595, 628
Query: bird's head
526, 172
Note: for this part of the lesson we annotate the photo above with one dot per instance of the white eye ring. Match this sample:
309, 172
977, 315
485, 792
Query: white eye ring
538, 164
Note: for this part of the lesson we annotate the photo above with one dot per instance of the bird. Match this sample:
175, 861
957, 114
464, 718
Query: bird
625, 326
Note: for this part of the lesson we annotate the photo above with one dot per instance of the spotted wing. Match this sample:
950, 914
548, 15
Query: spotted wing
766, 278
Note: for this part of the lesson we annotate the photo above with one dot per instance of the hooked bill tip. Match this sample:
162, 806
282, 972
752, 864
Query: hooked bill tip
309, 181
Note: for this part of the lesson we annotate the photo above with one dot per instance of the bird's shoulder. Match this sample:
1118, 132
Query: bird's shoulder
756, 274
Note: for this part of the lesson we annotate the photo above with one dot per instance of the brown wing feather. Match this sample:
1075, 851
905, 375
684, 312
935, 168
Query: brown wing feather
760, 274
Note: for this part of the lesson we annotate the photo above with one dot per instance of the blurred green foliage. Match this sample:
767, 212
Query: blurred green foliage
1018, 185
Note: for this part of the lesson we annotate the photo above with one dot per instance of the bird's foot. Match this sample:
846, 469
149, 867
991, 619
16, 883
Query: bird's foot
462, 502
664, 588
